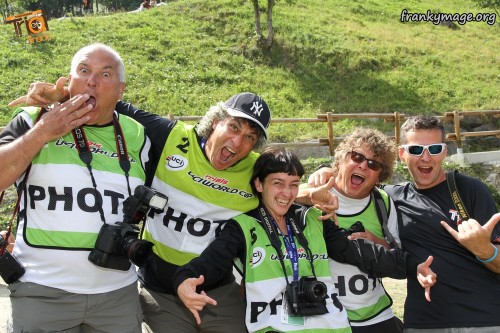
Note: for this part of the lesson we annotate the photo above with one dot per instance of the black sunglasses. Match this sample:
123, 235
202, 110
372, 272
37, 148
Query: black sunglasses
418, 150
360, 158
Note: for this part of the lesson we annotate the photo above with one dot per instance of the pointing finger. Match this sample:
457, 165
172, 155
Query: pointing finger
452, 231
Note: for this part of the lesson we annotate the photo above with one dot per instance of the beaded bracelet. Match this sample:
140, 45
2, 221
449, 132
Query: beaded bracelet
493, 257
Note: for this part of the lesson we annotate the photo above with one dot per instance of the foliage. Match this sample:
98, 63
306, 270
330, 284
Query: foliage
61, 8
312, 164
494, 4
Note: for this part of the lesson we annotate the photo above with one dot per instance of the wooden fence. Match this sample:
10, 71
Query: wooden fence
397, 118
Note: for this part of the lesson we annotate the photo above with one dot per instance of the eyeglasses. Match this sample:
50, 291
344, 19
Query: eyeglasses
360, 158
418, 150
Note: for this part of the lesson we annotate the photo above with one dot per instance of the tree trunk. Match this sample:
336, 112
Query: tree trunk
7, 11
270, 29
257, 18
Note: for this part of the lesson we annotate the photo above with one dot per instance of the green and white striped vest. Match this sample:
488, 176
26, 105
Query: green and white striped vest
265, 283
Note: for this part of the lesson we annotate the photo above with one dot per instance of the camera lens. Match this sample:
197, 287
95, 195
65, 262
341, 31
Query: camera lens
137, 250
315, 291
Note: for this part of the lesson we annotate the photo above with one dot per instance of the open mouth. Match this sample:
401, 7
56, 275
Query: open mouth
425, 170
91, 101
227, 154
357, 179
282, 202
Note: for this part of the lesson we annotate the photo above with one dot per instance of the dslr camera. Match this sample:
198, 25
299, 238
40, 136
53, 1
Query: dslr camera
306, 297
117, 244
356, 227
10, 268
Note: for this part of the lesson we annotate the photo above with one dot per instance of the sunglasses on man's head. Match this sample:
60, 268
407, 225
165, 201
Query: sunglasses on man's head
360, 158
418, 150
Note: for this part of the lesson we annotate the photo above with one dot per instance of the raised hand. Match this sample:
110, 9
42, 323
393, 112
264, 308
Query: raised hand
426, 277
192, 300
475, 237
320, 177
321, 198
43, 94
62, 118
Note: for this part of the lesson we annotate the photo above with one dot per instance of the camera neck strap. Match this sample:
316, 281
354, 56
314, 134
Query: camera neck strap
83, 147
16, 210
455, 196
20, 188
271, 228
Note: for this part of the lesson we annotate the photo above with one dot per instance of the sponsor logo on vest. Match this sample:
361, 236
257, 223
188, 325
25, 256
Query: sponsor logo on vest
207, 182
94, 149
258, 256
302, 255
176, 162
87, 199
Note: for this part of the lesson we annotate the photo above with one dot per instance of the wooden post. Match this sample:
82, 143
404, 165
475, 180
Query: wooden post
329, 124
456, 121
396, 128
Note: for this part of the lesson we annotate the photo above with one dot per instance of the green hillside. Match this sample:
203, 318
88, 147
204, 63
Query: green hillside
346, 56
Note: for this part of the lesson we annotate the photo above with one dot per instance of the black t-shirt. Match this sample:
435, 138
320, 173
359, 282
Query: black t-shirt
467, 294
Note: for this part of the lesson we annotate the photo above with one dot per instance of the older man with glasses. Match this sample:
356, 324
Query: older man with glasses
467, 297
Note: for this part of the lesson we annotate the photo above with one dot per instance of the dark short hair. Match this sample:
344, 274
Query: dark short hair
421, 122
274, 160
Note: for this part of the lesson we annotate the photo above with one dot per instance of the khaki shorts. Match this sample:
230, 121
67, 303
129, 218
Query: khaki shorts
37, 308
166, 313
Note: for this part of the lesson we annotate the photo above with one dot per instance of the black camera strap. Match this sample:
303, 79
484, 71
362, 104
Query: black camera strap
21, 185
272, 233
16, 210
83, 147
455, 196
382, 215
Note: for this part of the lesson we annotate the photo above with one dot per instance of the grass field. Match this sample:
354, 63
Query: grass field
397, 291
328, 55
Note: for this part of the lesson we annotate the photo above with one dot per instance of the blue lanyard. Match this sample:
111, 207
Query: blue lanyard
291, 250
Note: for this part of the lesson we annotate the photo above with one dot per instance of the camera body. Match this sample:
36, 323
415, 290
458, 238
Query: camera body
117, 245
306, 297
356, 227
10, 268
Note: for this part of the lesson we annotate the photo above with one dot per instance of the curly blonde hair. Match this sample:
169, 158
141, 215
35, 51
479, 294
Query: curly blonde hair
376, 142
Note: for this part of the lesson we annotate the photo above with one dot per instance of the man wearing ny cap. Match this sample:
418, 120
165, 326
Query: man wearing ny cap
205, 171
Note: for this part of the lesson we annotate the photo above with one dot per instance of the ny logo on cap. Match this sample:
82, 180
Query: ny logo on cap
257, 108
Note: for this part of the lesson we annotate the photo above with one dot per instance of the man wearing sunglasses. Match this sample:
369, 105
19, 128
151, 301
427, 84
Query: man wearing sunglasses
362, 160
467, 297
